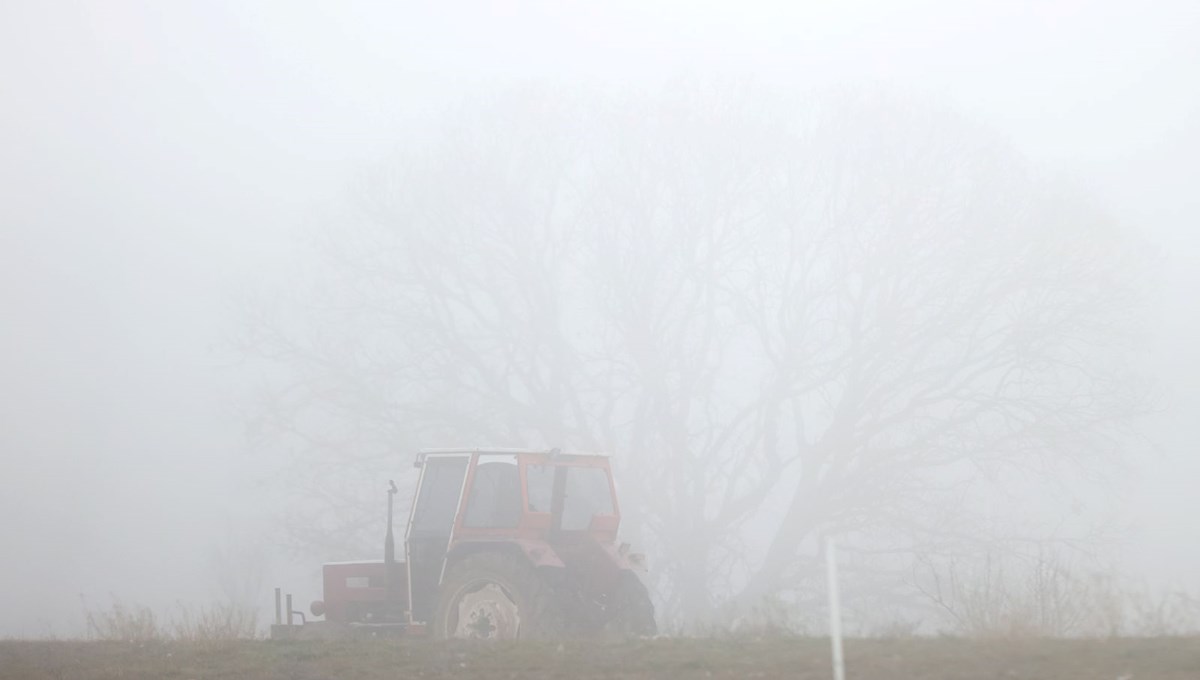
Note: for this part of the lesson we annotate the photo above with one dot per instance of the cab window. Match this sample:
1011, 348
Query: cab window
587, 494
583, 492
495, 497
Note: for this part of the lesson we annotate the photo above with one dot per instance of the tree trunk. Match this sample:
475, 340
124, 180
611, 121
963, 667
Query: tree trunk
798, 523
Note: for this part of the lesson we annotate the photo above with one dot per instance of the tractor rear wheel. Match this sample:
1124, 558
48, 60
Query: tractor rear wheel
630, 611
495, 596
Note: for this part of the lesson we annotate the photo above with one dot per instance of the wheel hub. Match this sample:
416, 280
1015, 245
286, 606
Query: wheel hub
487, 613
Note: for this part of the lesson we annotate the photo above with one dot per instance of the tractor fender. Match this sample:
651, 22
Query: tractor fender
623, 559
540, 554
536, 553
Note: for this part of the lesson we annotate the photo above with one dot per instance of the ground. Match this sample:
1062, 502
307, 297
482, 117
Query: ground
806, 658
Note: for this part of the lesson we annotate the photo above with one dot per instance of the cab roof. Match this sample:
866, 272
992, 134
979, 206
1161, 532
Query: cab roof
486, 451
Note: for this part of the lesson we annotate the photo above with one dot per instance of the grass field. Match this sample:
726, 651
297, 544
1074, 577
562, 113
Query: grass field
932, 658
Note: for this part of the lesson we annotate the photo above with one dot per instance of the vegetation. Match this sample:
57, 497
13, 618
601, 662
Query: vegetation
1000, 597
932, 658
131, 641
197, 624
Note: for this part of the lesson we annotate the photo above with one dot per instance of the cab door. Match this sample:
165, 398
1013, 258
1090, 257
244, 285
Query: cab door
431, 527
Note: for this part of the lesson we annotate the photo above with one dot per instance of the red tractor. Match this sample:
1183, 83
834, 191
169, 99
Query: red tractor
500, 544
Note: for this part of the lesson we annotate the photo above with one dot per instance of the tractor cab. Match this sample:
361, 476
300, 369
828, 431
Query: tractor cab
499, 543
520, 502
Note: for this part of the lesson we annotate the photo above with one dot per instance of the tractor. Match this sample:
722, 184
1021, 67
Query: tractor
500, 544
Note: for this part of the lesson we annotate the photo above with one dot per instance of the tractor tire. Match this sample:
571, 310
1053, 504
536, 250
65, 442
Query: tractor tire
495, 596
630, 611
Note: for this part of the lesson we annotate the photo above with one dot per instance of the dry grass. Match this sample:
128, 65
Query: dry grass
215, 623
122, 622
219, 622
1047, 596
803, 658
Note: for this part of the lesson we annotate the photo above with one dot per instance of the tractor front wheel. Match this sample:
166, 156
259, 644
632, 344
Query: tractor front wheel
494, 596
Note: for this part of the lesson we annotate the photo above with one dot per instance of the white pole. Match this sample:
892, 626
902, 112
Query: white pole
835, 611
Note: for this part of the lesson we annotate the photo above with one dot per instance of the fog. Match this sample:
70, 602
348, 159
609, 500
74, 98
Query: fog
167, 170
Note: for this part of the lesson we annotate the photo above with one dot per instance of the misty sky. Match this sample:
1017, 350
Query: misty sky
159, 159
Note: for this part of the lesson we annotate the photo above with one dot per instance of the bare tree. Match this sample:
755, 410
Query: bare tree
786, 317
